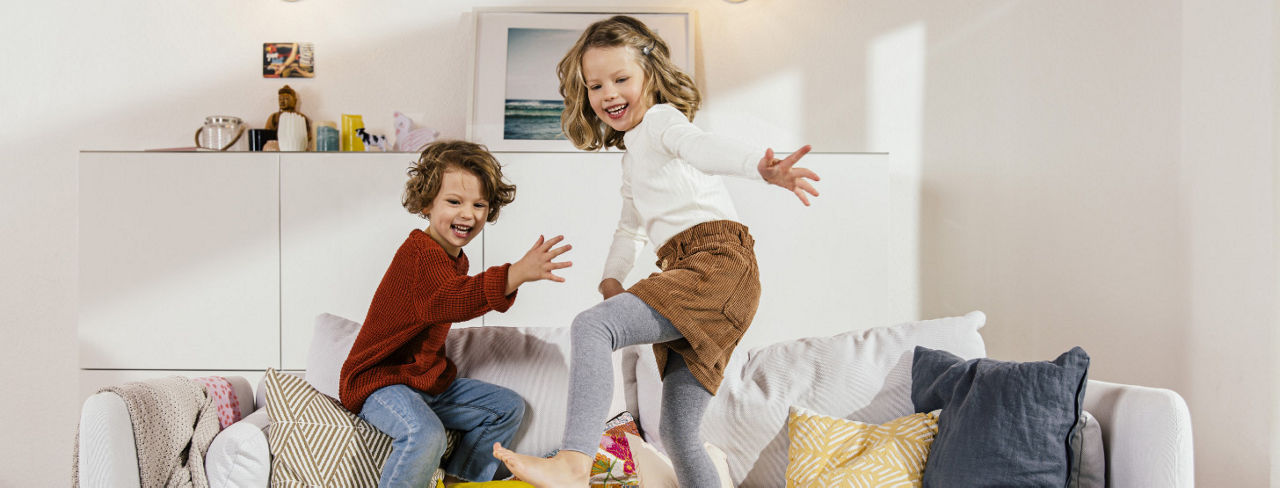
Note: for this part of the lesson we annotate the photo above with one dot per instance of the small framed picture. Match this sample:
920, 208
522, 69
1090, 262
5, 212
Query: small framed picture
515, 95
288, 60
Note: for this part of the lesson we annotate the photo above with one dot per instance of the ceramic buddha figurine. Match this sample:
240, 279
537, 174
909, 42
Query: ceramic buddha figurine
288, 104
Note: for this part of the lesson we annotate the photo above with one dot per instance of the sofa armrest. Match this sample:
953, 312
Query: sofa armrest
108, 455
1146, 433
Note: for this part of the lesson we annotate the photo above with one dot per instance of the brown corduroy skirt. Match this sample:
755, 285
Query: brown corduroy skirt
709, 289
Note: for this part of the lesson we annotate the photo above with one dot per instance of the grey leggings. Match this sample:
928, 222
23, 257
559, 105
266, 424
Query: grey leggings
621, 321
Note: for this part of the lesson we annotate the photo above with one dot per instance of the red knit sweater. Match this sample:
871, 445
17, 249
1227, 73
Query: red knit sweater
402, 340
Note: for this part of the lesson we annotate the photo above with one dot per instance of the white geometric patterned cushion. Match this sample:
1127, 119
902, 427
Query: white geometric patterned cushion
833, 452
316, 442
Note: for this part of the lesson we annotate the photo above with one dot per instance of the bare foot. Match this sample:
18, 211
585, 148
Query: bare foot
565, 469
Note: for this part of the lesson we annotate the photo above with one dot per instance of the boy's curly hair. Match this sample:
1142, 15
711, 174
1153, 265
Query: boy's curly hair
662, 79
440, 156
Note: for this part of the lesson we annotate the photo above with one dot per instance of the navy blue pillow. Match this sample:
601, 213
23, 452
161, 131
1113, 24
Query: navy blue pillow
1003, 423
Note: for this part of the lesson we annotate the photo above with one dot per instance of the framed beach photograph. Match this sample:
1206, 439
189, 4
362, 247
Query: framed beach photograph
515, 95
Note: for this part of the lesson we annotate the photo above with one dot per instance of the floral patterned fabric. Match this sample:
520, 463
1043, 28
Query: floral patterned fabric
613, 465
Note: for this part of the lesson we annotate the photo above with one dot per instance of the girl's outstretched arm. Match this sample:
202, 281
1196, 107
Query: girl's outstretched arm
782, 172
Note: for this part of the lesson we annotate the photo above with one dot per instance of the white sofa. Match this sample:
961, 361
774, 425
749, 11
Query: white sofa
859, 375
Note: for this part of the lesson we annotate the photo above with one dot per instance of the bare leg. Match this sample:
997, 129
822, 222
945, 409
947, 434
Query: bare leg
618, 322
568, 469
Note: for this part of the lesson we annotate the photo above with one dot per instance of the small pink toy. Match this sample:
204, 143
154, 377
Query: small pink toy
409, 139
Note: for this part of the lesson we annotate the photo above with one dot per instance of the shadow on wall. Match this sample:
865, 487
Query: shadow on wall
783, 81
1049, 187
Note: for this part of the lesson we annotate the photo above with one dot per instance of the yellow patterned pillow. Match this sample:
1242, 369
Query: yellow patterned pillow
833, 452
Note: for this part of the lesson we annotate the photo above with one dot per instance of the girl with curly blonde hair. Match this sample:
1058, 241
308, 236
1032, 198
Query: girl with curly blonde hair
622, 90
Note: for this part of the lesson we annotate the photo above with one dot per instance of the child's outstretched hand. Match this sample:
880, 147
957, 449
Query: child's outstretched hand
538, 263
782, 172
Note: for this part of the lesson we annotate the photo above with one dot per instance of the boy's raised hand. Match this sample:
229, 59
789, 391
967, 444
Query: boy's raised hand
538, 263
782, 172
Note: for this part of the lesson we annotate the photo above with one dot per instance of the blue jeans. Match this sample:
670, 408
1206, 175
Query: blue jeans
416, 421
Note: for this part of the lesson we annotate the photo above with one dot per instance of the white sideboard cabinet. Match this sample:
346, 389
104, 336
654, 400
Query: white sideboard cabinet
217, 263
179, 260
823, 269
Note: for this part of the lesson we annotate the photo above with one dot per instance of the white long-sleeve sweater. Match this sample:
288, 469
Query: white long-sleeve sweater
671, 182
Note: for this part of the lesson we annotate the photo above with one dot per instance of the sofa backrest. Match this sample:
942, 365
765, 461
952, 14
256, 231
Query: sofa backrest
532, 361
858, 375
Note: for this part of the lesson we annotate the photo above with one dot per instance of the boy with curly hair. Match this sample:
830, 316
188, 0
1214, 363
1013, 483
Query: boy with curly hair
397, 376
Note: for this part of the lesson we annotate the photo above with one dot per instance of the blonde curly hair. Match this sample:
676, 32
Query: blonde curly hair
441, 156
662, 78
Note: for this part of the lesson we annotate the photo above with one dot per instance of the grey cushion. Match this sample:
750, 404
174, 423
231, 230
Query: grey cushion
1003, 423
1088, 455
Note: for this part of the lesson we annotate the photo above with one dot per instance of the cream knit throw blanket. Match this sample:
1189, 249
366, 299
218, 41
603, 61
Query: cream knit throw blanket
174, 421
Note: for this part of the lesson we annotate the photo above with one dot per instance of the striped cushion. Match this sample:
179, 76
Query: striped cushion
833, 452
315, 441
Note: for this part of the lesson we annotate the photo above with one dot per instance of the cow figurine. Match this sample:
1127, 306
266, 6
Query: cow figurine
371, 140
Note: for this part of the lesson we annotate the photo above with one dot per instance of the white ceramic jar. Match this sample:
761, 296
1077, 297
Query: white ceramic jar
291, 132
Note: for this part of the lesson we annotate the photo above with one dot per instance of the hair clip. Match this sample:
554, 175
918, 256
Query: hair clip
646, 50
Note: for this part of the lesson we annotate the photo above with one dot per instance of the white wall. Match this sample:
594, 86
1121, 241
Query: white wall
1103, 174
1275, 338
1227, 184
1093, 173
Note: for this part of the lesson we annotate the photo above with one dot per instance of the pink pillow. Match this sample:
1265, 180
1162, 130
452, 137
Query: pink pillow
224, 398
